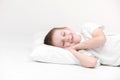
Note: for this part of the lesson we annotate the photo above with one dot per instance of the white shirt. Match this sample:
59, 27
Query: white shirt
109, 54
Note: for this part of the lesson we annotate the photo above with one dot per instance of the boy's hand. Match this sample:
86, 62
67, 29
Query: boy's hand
75, 47
70, 49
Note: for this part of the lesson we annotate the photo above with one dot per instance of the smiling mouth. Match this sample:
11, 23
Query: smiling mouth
71, 38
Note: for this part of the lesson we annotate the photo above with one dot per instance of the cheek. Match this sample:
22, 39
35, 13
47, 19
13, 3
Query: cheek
69, 44
76, 39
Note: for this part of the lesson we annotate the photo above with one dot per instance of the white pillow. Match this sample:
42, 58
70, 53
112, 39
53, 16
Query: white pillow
38, 38
51, 54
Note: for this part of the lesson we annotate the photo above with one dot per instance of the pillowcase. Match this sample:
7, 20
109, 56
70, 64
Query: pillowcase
38, 38
51, 54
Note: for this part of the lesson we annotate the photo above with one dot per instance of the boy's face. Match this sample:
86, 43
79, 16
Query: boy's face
65, 38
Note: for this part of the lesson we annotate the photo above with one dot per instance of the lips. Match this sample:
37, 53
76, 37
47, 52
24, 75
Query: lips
71, 38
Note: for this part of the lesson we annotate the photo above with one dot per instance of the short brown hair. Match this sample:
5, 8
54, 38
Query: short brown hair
48, 37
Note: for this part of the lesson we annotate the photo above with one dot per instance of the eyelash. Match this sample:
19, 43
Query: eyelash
63, 36
63, 33
63, 43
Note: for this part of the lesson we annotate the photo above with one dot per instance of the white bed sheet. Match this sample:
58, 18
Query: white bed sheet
16, 65
19, 67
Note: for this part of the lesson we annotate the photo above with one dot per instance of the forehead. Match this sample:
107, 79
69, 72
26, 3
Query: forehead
56, 38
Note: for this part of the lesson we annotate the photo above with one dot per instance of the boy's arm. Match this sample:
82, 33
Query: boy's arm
98, 40
85, 60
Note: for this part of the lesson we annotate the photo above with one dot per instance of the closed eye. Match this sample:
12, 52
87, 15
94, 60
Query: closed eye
63, 33
63, 43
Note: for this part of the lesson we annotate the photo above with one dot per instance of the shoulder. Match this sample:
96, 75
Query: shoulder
90, 27
91, 24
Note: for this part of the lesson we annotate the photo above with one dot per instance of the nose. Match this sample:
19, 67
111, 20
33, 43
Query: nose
66, 39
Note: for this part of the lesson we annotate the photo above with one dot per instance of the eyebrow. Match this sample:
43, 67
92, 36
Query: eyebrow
62, 43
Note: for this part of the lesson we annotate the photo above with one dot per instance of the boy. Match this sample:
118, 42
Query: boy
92, 38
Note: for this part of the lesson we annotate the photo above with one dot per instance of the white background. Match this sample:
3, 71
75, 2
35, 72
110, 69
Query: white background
21, 19
41, 14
